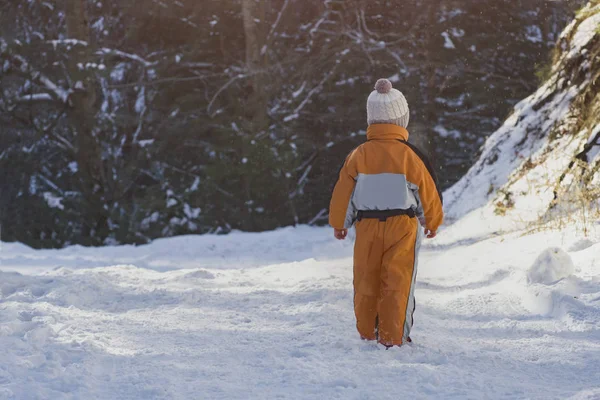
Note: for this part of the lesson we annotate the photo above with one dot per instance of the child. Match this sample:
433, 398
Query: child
383, 185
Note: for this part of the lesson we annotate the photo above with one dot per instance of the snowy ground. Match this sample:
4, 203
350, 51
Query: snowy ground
268, 316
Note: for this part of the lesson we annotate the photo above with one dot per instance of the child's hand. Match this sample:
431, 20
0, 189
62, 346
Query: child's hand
430, 234
340, 234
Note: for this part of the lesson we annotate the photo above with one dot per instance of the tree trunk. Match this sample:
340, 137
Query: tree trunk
91, 180
254, 17
422, 127
256, 118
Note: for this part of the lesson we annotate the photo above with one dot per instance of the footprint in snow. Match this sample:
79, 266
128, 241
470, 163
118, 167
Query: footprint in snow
298, 354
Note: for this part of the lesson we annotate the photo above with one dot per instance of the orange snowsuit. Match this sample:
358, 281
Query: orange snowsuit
385, 173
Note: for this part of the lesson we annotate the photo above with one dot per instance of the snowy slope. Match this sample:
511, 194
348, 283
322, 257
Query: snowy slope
545, 157
254, 316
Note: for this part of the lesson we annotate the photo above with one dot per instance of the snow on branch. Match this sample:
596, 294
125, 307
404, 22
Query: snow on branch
296, 113
102, 51
33, 98
67, 42
61, 93
315, 28
197, 65
57, 92
119, 53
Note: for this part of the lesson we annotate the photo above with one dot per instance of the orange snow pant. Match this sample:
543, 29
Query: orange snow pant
385, 268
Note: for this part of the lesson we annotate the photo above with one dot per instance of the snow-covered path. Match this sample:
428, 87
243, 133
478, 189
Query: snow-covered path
262, 316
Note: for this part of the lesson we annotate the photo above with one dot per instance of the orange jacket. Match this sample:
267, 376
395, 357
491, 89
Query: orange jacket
385, 174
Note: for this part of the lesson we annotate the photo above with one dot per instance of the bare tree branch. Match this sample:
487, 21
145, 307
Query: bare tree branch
232, 80
269, 38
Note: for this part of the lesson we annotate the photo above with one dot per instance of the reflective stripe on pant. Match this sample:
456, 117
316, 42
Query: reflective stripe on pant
385, 269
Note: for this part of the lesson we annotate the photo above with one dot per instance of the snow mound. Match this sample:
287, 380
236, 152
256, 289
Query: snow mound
552, 265
552, 289
558, 301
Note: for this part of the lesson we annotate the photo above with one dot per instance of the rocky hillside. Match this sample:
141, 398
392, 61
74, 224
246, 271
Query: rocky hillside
544, 163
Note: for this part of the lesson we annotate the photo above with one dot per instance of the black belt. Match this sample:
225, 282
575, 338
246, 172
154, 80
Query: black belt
383, 215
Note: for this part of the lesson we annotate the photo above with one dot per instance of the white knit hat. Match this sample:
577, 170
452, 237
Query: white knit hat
387, 105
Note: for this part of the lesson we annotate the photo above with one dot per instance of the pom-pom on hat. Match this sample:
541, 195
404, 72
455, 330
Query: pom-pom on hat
387, 105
